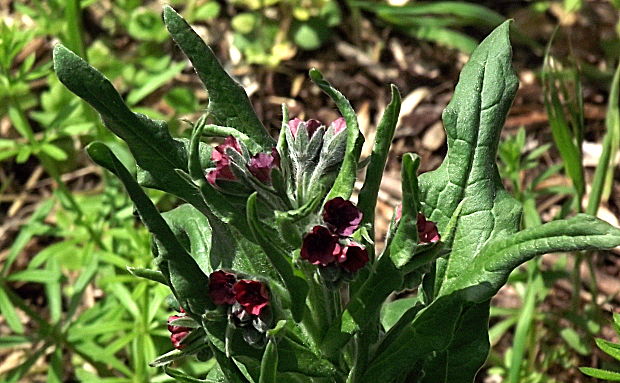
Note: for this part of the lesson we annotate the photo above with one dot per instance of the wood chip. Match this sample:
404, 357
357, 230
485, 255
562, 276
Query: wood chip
434, 137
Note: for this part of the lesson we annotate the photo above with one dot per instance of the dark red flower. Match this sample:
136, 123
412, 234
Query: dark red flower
262, 163
221, 287
177, 333
251, 295
342, 216
353, 257
222, 161
339, 125
311, 126
320, 246
427, 230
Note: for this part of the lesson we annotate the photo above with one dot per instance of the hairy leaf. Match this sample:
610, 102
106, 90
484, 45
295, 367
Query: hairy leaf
229, 105
186, 278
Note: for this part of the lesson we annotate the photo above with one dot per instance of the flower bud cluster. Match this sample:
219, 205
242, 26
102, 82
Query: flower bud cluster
178, 333
225, 289
232, 155
315, 152
248, 302
330, 245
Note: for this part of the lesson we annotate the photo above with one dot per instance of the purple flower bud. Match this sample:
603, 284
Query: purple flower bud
311, 126
339, 125
221, 287
353, 257
251, 295
262, 163
177, 338
222, 161
427, 230
177, 333
320, 246
342, 216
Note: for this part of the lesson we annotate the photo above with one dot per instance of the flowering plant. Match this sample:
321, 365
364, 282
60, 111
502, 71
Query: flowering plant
275, 271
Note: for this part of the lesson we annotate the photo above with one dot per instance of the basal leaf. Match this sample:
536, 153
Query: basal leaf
473, 120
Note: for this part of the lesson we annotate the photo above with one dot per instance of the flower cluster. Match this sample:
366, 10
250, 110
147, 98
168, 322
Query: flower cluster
427, 230
178, 333
260, 165
330, 244
250, 295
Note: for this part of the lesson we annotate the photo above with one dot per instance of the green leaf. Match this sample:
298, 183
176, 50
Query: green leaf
575, 341
469, 175
431, 331
150, 141
54, 151
367, 200
8, 312
151, 275
490, 268
601, 374
603, 175
468, 348
294, 357
479, 15
566, 114
401, 248
154, 82
611, 349
229, 105
186, 278
393, 311
269, 363
343, 186
293, 278
180, 376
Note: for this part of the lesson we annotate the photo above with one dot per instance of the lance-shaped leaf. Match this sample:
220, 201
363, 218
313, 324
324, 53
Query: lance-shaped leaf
150, 142
186, 278
405, 241
293, 278
367, 200
151, 275
343, 185
229, 105
467, 351
489, 270
431, 331
473, 120
269, 363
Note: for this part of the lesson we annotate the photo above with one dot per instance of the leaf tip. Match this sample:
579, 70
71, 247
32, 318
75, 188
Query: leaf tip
169, 13
315, 75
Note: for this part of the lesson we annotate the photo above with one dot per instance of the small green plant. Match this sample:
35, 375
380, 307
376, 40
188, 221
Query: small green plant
269, 32
611, 349
274, 271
